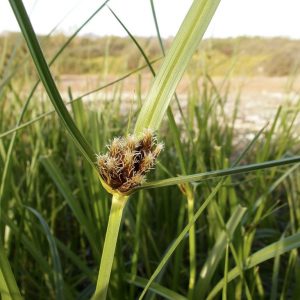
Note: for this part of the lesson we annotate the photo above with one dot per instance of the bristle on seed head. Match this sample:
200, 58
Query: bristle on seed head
131, 142
159, 147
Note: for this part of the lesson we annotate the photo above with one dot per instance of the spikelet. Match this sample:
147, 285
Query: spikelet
128, 160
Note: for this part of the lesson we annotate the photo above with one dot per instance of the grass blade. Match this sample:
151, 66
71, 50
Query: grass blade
224, 293
57, 176
8, 285
57, 268
175, 63
277, 248
47, 80
216, 253
6, 270
198, 213
181, 236
221, 173
25, 106
156, 288
135, 42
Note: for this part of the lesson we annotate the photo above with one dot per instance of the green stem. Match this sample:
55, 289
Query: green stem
115, 217
192, 245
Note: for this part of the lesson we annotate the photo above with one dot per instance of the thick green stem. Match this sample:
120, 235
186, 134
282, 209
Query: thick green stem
192, 246
107, 258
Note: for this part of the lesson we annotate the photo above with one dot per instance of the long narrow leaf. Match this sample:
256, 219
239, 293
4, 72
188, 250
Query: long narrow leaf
57, 176
8, 285
6, 273
277, 248
216, 253
221, 173
57, 268
180, 237
198, 213
175, 63
47, 79
156, 288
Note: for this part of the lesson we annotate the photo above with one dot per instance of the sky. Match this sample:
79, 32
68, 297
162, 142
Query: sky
233, 17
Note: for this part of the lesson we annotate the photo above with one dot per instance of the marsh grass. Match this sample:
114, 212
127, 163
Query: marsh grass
54, 212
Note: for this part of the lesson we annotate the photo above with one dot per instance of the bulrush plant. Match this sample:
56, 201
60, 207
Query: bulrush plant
151, 115
139, 150
128, 160
122, 169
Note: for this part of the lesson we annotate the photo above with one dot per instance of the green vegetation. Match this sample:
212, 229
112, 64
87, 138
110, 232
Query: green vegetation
227, 227
93, 55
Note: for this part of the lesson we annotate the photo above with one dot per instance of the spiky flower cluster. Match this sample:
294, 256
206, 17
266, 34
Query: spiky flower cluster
128, 160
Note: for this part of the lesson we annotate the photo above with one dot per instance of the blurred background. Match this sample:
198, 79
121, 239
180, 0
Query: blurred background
253, 42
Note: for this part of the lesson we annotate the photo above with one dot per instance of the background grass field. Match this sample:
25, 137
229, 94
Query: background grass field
112, 55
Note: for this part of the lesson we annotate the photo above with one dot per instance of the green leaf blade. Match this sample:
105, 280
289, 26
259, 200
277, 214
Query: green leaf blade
175, 63
278, 248
48, 81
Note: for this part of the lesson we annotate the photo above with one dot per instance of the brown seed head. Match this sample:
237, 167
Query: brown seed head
128, 160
